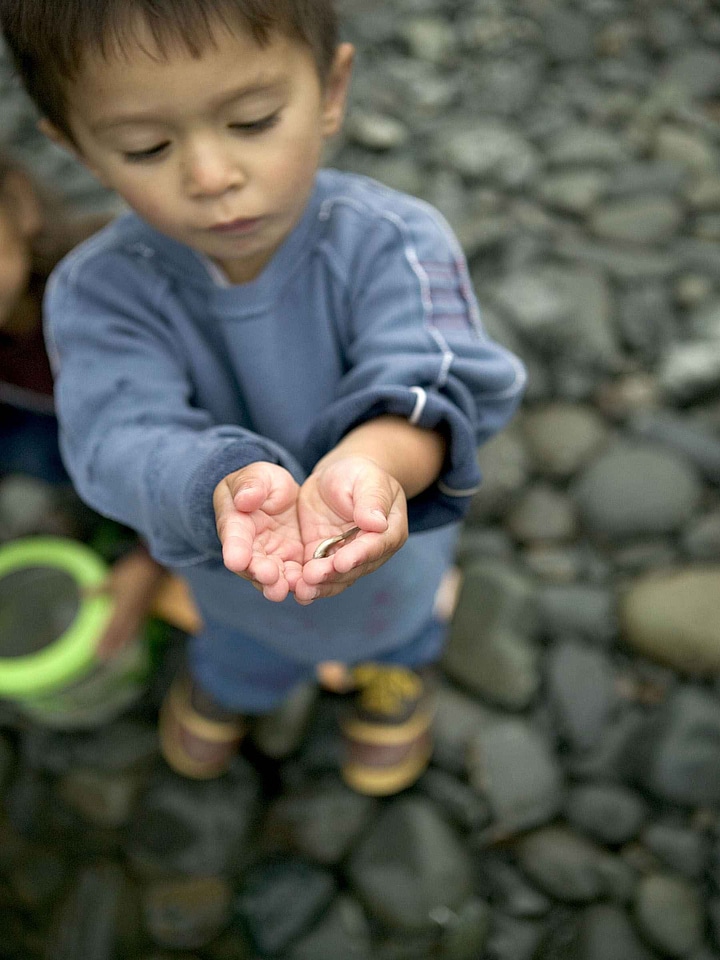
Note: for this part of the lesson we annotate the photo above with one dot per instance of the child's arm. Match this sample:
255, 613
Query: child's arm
364, 481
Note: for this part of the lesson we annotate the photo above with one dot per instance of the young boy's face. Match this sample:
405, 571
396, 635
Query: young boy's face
219, 152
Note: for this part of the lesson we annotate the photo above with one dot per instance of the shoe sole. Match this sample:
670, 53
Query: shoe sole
178, 719
380, 782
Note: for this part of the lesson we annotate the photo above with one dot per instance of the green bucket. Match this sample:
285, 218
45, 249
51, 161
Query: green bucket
51, 623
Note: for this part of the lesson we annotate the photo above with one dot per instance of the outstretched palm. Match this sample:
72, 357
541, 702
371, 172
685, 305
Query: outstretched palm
349, 492
257, 522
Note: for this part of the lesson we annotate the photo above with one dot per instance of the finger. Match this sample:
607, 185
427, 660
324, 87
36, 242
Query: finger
249, 494
277, 591
366, 548
265, 570
307, 593
373, 503
293, 573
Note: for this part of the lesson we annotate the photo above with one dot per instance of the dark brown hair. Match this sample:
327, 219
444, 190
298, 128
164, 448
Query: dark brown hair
48, 38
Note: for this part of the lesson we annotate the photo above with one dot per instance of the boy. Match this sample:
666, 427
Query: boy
263, 356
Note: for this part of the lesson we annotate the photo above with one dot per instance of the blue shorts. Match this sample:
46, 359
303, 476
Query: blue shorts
246, 677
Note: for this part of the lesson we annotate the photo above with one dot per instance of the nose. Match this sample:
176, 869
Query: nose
209, 169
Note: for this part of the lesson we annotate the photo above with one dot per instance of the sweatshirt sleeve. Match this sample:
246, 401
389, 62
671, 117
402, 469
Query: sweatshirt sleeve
417, 349
136, 447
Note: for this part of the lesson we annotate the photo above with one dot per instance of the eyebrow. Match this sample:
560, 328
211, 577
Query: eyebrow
256, 88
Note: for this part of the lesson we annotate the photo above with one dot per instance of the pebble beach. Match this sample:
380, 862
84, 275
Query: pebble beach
572, 807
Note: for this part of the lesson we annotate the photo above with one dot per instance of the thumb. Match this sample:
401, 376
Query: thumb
372, 507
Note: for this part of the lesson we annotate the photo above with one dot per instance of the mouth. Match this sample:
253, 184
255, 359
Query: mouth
238, 226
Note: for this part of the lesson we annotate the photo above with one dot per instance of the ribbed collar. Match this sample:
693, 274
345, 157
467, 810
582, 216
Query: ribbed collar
197, 269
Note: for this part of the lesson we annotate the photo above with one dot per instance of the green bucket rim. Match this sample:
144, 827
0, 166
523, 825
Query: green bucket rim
68, 656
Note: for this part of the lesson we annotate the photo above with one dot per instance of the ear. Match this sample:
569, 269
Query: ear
62, 140
24, 203
336, 89
57, 136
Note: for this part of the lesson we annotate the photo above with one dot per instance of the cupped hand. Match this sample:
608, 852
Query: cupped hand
346, 492
257, 522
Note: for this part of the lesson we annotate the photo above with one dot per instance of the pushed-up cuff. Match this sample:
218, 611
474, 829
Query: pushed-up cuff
196, 501
448, 499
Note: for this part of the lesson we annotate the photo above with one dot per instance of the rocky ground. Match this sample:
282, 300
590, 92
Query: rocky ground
571, 811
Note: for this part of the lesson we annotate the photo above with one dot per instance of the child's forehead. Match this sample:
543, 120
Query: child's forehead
136, 36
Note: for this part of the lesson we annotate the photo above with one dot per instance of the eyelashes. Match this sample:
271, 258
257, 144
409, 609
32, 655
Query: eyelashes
254, 127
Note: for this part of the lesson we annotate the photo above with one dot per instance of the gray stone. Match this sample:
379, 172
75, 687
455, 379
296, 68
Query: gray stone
561, 310
581, 691
647, 177
703, 192
504, 466
587, 146
670, 914
696, 71
197, 828
105, 799
409, 865
647, 321
280, 900
627, 263
491, 649
573, 191
645, 220
674, 618
565, 865
701, 539
466, 807
510, 890
187, 913
513, 765
580, 610
704, 321
377, 131
322, 820
678, 846
689, 370
607, 933
607, 812
430, 38
87, 923
342, 931
490, 151
690, 439
561, 437
40, 878
684, 766
686, 148
635, 491
543, 513
464, 931
568, 35
458, 716
512, 939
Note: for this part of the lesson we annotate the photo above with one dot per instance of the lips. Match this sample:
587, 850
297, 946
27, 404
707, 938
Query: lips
236, 226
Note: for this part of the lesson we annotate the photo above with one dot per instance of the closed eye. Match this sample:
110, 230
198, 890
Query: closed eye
257, 126
137, 156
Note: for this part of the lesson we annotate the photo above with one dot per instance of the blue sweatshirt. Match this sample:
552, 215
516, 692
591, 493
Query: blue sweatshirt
168, 378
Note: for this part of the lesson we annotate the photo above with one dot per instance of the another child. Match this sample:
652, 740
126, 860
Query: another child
263, 356
35, 232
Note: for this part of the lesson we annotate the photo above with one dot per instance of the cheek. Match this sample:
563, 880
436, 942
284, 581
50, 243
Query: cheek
148, 202
293, 167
